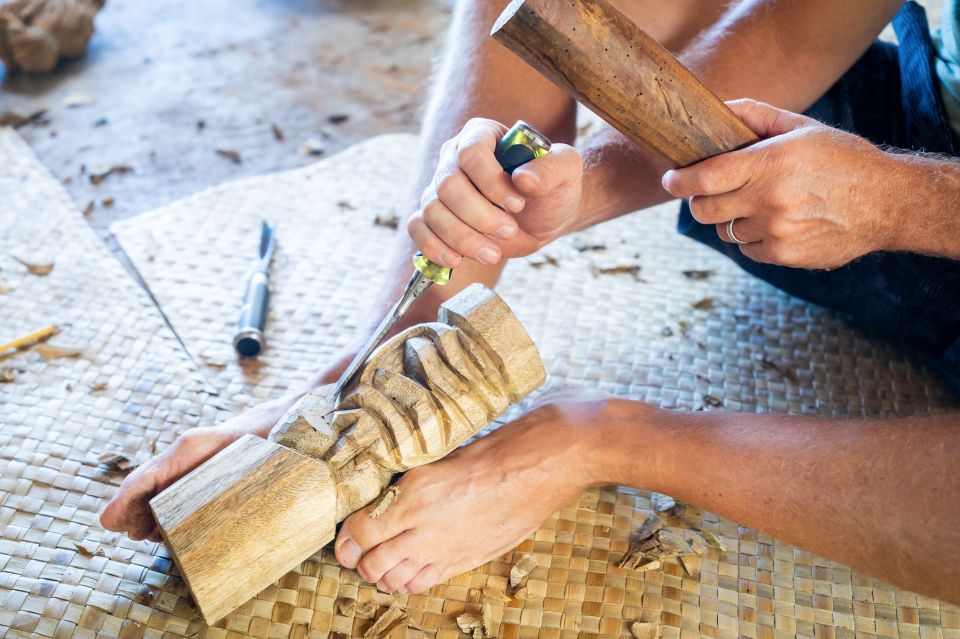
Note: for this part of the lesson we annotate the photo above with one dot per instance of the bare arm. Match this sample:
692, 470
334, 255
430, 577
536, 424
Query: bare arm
880, 495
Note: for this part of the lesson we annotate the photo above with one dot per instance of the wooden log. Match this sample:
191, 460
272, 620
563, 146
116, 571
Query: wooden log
255, 510
611, 66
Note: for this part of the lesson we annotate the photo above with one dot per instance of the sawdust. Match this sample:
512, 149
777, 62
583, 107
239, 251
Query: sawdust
36, 34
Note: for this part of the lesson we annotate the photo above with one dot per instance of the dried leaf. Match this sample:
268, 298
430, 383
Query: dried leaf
7, 375
390, 220
381, 503
230, 154
114, 461
697, 275
35, 266
89, 549
17, 120
50, 351
496, 594
389, 620
710, 400
704, 305
521, 570
311, 147
277, 132
645, 630
100, 172
78, 99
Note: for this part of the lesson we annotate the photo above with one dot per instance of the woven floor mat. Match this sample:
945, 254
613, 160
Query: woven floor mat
130, 391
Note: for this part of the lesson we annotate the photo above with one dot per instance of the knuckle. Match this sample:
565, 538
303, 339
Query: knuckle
701, 208
433, 213
449, 186
469, 155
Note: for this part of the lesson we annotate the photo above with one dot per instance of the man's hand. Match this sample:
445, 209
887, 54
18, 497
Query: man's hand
474, 209
808, 196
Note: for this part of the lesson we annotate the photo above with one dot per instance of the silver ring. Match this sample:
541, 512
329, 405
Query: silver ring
731, 234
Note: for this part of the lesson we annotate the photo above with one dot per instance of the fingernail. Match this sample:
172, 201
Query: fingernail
514, 203
488, 255
350, 553
666, 178
506, 231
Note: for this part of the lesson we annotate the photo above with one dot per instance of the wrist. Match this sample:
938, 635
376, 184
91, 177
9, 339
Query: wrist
926, 193
631, 445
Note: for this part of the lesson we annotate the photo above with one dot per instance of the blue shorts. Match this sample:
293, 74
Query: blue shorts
890, 96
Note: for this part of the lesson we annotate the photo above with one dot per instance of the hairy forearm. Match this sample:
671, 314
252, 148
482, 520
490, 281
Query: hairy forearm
777, 51
879, 495
924, 204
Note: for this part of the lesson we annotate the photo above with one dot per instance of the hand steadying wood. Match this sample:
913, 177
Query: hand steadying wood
257, 509
612, 67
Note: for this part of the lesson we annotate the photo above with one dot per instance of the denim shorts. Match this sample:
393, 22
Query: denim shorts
891, 97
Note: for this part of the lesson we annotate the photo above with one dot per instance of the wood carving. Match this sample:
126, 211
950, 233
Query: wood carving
611, 66
258, 508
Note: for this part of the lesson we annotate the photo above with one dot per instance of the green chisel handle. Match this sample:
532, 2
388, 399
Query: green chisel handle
518, 146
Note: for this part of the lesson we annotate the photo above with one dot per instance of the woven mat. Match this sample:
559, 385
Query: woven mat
634, 333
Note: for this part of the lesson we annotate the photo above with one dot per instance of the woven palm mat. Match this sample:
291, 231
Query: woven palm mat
754, 349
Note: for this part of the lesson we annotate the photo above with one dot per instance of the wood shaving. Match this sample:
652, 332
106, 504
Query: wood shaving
108, 201
662, 503
520, 593
50, 351
88, 549
653, 543
384, 501
115, 461
88, 209
337, 118
346, 205
7, 375
277, 132
36, 267
786, 373
311, 147
17, 120
691, 565
391, 221
230, 154
100, 172
714, 402
539, 260
79, 99
703, 305
393, 617
629, 269
713, 540
521, 571
350, 608
496, 594
478, 626
583, 247
644, 630
697, 275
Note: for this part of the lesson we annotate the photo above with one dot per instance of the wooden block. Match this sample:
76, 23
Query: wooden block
243, 519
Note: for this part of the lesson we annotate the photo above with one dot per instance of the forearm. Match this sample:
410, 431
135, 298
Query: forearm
925, 201
878, 495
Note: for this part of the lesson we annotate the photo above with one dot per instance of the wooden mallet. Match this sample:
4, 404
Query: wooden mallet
608, 64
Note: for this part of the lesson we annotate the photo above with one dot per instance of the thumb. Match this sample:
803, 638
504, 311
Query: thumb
561, 166
765, 120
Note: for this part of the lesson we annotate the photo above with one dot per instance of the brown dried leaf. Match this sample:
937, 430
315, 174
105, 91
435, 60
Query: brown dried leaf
230, 154
704, 305
645, 630
393, 617
521, 570
381, 503
89, 549
35, 266
50, 351
697, 275
390, 220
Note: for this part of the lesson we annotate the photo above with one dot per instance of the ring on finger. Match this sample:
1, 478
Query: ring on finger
733, 237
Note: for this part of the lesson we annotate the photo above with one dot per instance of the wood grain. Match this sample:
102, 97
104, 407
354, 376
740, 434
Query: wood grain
611, 66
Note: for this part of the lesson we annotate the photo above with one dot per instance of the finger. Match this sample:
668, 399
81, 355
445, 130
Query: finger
561, 166
475, 156
716, 209
765, 120
429, 244
128, 511
746, 230
463, 199
460, 237
720, 174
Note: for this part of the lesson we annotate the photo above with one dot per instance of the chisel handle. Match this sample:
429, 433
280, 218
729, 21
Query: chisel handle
518, 146
608, 64
249, 339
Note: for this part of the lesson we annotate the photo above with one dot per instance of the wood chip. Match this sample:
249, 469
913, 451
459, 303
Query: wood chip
37, 267
393, 617
277, 132
78, 99
17, 120
338, 118
630, 269
350, 608
108, 201
704, 305
786, 373
468, 622
51, 351
98, 387
384, 501
311, 147
644, 630
662, 503
390, 220
496, 594
713, 540
697, 275
583, 247
100, 172
230, 154
691, 565
115, 461
88, 209
7, 376
684, 327
89, 549
538, 260
521, 570
710, 400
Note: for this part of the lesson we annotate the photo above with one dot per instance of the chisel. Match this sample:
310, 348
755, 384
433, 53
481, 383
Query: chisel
249, 339
518, 146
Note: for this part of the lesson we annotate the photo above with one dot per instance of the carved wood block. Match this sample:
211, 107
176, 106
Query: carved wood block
258, 508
